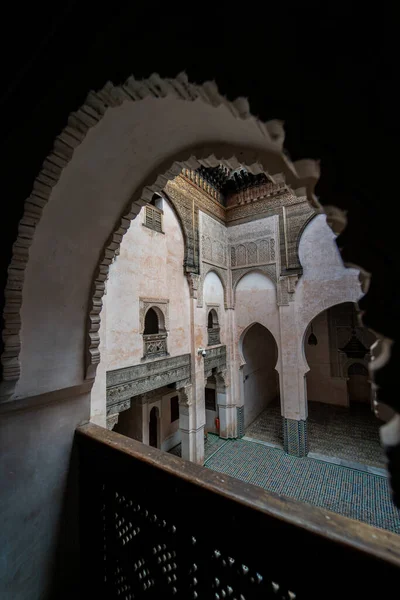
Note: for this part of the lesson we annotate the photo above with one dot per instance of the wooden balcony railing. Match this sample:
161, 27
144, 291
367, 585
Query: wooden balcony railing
154, 526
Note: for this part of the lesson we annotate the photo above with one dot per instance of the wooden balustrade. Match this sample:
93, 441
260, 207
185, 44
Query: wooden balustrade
156, 526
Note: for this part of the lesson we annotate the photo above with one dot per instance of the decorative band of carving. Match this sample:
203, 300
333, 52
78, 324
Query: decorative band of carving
123, 384
215, 359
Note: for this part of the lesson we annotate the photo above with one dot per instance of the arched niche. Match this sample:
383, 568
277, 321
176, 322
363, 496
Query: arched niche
213, 289
256, 301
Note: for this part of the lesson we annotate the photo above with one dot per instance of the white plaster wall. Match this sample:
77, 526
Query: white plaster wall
150, 265
213, 293
321, 386
39, 537
256, 303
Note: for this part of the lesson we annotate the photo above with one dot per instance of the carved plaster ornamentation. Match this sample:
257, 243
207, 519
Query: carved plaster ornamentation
253, 252
186, 395
112, 420
194, 282
215, 361
123, 384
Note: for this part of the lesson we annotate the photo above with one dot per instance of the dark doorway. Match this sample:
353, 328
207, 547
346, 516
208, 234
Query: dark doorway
358, 385
153, 427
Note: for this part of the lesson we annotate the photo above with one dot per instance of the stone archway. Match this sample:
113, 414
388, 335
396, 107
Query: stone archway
91, 186
340, 424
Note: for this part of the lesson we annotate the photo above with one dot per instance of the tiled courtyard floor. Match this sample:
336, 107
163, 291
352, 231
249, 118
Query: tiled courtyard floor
352, 435
349, 492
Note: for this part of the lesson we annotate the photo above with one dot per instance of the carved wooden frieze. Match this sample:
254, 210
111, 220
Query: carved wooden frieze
215, 359
259, 207
123, 384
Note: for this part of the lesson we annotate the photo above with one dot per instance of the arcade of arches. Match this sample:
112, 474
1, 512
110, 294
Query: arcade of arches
262, 343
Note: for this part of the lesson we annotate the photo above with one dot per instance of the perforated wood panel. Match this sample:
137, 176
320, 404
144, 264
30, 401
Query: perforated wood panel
156, 527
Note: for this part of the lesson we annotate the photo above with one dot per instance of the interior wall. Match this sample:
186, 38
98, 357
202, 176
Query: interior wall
38, 497
150, 265
256, 302
321, 386
261, 385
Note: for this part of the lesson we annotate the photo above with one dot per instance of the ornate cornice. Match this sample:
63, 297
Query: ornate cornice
124, 384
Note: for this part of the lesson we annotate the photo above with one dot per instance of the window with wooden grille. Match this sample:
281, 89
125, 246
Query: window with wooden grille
153, 218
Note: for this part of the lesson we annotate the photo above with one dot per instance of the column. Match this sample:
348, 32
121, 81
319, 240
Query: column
233, 403
192, 401
192, 437
292, 385
226, 409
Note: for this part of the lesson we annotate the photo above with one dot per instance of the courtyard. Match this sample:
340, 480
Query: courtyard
354, 493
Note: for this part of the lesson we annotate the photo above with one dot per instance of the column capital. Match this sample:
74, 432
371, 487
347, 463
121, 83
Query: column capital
112, 420
193, 280
186, 395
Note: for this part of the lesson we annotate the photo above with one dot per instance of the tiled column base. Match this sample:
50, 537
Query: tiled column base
240, 421
295, 437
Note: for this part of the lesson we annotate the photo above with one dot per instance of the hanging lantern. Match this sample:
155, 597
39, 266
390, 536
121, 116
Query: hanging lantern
312, 338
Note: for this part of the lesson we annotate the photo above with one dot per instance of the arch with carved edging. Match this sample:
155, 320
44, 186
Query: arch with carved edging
210, 130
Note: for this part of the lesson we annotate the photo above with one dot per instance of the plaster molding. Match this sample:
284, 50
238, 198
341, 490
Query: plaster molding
123, 384
267, 156
215, 360
112, 420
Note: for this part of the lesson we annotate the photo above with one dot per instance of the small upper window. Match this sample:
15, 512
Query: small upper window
154, 334
151, 322
154, 213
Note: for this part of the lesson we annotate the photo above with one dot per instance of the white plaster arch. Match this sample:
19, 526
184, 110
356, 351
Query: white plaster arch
268, 271
213, 273
325, 281
117, 150
242, 360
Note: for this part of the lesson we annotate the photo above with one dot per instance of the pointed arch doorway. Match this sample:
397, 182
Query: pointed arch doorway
262, 411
